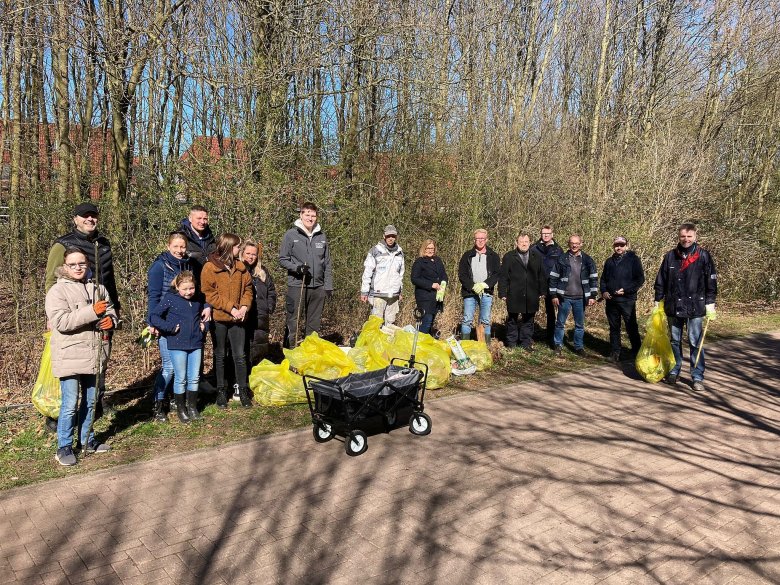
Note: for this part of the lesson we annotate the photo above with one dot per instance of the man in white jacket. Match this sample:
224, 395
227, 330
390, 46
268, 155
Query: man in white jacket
383, 276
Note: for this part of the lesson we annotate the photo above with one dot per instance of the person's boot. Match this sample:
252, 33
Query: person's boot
245, 395
192, 406
181, 408
159, 412
221, 397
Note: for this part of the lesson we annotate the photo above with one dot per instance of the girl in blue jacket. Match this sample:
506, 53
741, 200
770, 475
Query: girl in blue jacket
159, 278
178, 319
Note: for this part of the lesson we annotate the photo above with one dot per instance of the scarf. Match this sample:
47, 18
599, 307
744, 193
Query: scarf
689, 257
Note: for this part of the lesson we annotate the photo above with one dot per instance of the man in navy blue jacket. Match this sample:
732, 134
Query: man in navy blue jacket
621, 278
574, 283
550, 251
688, 284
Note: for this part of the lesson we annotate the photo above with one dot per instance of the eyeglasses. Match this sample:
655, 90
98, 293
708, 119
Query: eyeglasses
77, 265
546, 233
619, 245
430, 248
480, 239
575, 243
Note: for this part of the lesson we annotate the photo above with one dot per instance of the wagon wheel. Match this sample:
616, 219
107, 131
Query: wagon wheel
356, 443
420, 424
323, 432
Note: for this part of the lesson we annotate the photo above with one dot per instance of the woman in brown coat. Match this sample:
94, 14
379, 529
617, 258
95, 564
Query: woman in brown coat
228, 288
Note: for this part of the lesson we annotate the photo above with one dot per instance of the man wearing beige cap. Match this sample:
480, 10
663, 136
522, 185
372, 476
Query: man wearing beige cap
383, 276
621, 278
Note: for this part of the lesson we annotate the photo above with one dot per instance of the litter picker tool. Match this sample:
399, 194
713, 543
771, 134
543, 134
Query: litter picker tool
701, 342
100, 340
418, 315
300, 304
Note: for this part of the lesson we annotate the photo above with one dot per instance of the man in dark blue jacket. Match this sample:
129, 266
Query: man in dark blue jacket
688, 284
573, 285
200, 239
550, 251
621, 278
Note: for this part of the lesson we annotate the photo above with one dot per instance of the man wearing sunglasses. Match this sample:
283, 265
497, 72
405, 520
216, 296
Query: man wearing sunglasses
621, 278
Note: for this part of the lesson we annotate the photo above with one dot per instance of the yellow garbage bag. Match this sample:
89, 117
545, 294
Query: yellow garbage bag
429, 351
370, 351
655, 358
478, 353
317, 357
369, 358
276, 385
46, 393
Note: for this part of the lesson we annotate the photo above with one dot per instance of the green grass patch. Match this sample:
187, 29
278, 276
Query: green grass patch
28, 448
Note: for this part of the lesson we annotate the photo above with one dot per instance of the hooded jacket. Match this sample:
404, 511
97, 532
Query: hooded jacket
466, 277
74, 337
160, 276
175, 310
622, 272
300, 248
225, 289
383, 272
686, 282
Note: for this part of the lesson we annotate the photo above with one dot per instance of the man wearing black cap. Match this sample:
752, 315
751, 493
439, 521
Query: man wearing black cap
84, 236
383, 276
621, 278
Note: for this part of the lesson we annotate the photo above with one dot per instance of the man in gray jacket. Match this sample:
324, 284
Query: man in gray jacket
305, 254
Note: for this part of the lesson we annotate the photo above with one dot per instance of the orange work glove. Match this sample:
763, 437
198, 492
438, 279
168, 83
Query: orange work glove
100, 307
105, 323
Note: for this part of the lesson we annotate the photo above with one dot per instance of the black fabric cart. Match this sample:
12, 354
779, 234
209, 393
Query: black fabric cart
341, 406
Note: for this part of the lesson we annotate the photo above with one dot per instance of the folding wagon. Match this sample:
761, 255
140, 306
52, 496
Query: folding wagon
342, 406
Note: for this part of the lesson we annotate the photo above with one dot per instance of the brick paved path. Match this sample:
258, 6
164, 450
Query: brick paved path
594, 478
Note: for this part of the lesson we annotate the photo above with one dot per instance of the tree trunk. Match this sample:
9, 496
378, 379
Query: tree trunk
598, 98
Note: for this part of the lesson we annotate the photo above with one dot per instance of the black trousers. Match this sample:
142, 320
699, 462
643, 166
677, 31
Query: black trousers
625, 311
549, 309
233, 333
311, 312
519, 329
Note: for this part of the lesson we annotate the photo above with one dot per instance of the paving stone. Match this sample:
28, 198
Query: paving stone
589, 477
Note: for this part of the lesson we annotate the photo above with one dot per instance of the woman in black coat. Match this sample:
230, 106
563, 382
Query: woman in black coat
428, 277
258, 319
521, 283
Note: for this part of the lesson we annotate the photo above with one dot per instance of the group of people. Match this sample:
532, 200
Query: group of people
205, 285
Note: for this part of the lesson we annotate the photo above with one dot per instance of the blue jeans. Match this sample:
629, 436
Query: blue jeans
427, 322
165, 375
485, 303
577, 307
186, 368
694, 326
72, 388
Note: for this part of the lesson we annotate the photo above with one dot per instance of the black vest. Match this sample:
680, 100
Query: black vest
106, 269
